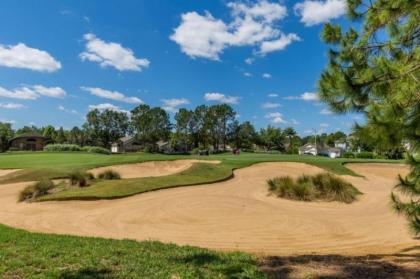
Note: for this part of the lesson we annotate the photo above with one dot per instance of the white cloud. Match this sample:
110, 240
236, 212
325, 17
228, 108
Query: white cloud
111, 95
294, 121
3, 120
172, 105
324, 125
111, 54
252, 25
275, 117
267, 75
32, 92
325, 111
249, 61
273, 95
270, 105
247, 74
221, 98
21, 56
307, 96
315, 12
11, 106
72, 111
278, 44
54, 92
107, 106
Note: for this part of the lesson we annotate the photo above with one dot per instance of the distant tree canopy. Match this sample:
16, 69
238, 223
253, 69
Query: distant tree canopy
377, 71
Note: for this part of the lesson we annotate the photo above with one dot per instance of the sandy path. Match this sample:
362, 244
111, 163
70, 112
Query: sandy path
151, 169
232, 215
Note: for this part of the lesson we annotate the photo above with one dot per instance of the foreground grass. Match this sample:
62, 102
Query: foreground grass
34, 255
58, 165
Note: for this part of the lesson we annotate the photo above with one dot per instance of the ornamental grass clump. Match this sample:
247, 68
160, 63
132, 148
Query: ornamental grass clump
323, 186
36, 190
109, 175
80, 178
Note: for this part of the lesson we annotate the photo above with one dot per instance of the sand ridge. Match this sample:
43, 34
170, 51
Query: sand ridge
237, 214
152, 168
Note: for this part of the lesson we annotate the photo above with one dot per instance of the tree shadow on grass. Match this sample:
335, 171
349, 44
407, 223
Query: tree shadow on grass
399, 265
87, 273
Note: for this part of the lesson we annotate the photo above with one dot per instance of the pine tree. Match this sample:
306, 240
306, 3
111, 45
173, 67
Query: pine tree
376, 70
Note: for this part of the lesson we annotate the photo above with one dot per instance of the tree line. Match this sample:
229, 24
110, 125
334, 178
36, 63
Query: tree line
204, 127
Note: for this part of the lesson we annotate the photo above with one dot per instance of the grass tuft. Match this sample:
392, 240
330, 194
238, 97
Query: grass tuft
38, 189
80, 178
323, 186
109, 175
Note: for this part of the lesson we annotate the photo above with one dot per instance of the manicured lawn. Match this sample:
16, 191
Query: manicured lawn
57, 165
34, 255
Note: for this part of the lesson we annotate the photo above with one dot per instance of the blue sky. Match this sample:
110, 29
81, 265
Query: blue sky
62, 58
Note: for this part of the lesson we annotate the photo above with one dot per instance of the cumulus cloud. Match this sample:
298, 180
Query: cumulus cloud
273, 95
315, 12
252, 25
110, 54
22, 56
324, 125
247, 74
172, 105
267, 75
294, 121
107, 106
111, 95
221, 98
270, 105
72, 111
249, 61
307, 96
275, 117
279, 44
325, 111
11, 106
32, 92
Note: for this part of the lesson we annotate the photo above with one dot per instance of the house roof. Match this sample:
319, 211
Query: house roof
29, 135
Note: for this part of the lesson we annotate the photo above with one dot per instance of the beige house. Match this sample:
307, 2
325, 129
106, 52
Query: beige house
126, 144
29, 142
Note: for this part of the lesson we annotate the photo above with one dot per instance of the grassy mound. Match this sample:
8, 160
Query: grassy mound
323, 186
38, 189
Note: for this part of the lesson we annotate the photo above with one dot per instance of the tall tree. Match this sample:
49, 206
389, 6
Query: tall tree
106, 127
6, 133
184, 127
243, 135
150, 124
272, 138
220, 117
377, 71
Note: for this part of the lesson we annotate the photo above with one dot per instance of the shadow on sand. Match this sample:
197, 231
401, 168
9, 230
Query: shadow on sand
405, 264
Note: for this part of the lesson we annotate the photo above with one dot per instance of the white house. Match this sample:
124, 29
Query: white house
312, 149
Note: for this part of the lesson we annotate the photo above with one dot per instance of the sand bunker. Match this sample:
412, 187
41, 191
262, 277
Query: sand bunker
151, 169
6, 172
233, 215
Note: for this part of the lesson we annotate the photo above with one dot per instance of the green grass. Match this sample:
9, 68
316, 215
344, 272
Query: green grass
58, 165
35, 255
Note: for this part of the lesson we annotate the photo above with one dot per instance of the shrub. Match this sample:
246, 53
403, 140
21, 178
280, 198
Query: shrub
38, 189
96, 149
109, 175
12, 149
80, 178
365, 155
323, 186
62, 147
348, 155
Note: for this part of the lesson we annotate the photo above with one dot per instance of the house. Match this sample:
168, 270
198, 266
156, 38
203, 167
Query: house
164, 147
342, 144
126, 144
312, 149
309, 149
29, 142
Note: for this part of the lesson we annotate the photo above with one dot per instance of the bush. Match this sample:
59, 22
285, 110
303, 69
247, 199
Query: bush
96, 149
348, 155
12, 149
109, 175
80, 178
38, 189
323, 186
62, 147
365, 155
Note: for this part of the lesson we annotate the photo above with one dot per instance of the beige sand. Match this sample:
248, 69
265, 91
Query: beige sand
151, 169
6, 172
232, 215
